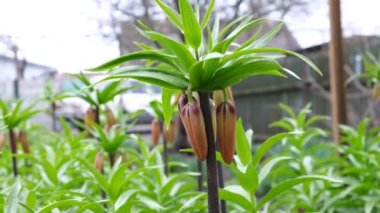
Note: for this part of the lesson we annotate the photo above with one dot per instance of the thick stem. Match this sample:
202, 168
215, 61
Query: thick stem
200, 177
212, 175
112, 158
54, 116
13, 145
97, 114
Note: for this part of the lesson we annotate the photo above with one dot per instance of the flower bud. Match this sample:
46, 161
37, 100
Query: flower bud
155, 131
110, 119
218, 96
99, 161
1, 141
226, 118
169, 134
23, 139
192, 119
90, 116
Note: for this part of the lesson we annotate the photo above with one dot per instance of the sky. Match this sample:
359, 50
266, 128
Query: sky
64, 34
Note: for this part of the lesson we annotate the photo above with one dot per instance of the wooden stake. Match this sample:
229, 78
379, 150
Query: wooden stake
336, 63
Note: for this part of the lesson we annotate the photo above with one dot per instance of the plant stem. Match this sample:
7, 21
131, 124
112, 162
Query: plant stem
166, 168
53, 115
112, 158
97, 114
13, 145
200, 177
212, 174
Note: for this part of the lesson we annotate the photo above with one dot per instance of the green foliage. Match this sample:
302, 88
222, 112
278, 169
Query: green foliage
97, 96
371, 70
15, 115
252, 171
359, 166
207, 60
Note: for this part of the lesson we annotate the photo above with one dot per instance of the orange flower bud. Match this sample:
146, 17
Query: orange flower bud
89, 116
23, 139
1, 141
169, 134
155, 131
226, 118
110, 119
99, 161
192, 119
218, 96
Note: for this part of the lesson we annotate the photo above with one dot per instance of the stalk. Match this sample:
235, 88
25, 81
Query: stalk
166, 168
212, 174
53, 115
13, 145
200, 177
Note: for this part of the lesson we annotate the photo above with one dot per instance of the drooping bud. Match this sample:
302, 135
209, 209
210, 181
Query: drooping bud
218, 96
1, 141
226, 118
169, 134
99, 161
192, 119
155, 131
110, 119
90, 116
24, 140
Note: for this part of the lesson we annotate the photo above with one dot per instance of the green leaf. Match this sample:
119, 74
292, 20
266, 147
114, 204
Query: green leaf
268, 167
191, 201
265, 39
62, 203
154, 76
272, 50
249, 178
172, 15
192, 29
139, 55
11, 203
230, 75
208, 13
238, 195
102, 181
182, 53
243, 144
265, 146
167, 106
123, 198
289, 184
196, 74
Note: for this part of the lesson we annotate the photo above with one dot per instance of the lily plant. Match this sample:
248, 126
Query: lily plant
209, 59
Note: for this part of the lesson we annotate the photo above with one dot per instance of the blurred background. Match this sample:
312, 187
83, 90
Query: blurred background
43, 40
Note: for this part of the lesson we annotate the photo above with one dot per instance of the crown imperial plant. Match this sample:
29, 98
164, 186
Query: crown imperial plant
210, 58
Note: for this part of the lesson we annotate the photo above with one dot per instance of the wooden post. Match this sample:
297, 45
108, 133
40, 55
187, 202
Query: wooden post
336, 64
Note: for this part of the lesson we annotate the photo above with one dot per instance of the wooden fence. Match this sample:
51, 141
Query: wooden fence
258, 98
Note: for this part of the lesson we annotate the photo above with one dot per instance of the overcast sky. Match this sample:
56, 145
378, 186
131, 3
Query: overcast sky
64, 33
